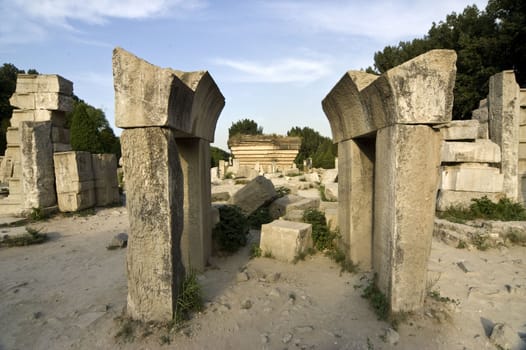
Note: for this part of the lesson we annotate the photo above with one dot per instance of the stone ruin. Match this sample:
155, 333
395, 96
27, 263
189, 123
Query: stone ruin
169, 120
486, 155
39, 168
389, 157
391, 132
258, 154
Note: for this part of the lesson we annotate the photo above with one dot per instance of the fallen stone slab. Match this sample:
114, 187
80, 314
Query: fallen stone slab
285, 240
480, 151
256, 193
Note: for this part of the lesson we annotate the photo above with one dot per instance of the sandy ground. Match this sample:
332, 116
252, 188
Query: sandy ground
67, 292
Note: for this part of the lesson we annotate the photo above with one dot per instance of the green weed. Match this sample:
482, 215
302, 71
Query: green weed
231, 231
189, 299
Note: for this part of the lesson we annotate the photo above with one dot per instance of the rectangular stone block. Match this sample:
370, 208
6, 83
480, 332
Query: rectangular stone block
38, 176
27, 83
42, 100
76, 186
331, 216
522, 166
404, 211
13, 136
481, 114
72, 168
58, 118
15, 186
22, 101
61, 147
522, 118
483, 130
447, 198
107, 196
480, 151
471, 178
285, 240
104, 170
75, 201
461, 130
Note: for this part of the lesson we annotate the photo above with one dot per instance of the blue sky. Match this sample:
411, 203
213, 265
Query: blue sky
273, 60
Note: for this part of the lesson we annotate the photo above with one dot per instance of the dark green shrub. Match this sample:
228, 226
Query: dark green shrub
231, 231
322, 237
484, 208
259, 217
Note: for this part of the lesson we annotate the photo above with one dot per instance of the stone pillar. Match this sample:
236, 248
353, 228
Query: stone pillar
167, 190
196, 242
38, 175
406, 182
504, 115
355, 198
151, 164
105, 178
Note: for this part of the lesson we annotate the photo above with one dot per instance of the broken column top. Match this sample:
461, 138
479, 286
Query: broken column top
147, 95
419, 91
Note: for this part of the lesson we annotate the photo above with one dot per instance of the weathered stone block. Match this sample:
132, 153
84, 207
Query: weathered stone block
278, 208
419, 91
461, 130
481, 114
75, 201
155, 209
254, 194
331, 191
104, 170
27, 83
71, 167
331, 216
61, 147
57, 117
42, 100
147, 96
285, 240
404, 211
38, 176
13, 136
483, 131
329, 176
480, 151
462, 198
471, 178
503, 103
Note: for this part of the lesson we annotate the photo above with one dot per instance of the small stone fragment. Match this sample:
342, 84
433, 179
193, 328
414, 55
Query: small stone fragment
465, 266
303, 329
119, 241
246, 304
391, 336
242, 277
264, 339
286, 338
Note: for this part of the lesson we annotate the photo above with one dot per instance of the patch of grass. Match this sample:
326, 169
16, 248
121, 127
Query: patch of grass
461, 245
480, 242
242, 181
483, 208
302, 255
82, 213
268, 254
377, 299
339, 257
38, 214
255, 251
435, 295
127, 329
282, 191
32, 236
229, 175
231, 231
189, 299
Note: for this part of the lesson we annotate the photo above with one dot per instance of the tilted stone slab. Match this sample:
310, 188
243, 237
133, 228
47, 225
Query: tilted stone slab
38, 176
278, 208
419, 91
27, 83
480, 151
448, 198
254, 194
471, 178
461, 130
13, 136
285, 240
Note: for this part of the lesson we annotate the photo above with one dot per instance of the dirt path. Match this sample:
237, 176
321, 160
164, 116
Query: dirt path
66, 293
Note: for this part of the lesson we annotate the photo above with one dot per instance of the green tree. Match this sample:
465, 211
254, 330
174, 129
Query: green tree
217, 154
245, 127
8, 74
315, 146
486, 42
90, 130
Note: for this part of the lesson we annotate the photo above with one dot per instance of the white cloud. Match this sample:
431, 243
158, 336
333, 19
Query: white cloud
380, 19
23, 21
288, 70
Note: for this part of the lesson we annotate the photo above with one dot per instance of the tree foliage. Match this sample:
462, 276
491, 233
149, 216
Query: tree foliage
217, 154
315, 146
90, 130
486, 42
245, 127
8, 74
